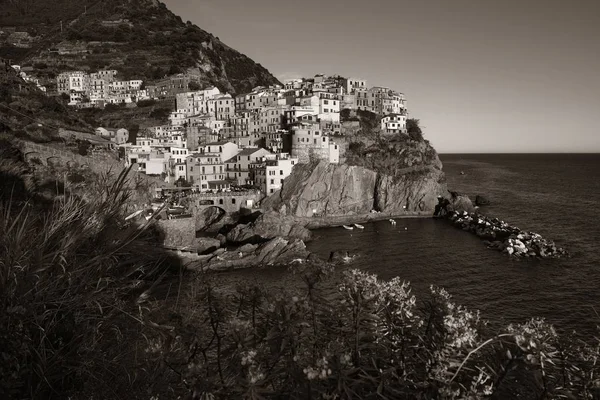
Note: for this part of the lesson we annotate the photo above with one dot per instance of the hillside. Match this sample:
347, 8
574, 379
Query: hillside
27, 113
140, 38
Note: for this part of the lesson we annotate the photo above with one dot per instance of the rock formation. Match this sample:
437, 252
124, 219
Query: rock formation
268, 226
501, 236
277, 251
332, 190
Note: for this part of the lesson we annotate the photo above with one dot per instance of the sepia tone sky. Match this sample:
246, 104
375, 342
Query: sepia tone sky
482, 76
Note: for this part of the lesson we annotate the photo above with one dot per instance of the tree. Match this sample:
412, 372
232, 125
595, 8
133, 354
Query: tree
133, 133
193, 85
413, 129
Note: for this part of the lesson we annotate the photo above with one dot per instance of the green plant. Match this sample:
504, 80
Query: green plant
66, 272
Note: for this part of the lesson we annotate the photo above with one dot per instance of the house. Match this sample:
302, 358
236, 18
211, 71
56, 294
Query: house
223, 149
393, 123
238, 167
203, 169
77, 81
350, 85
310, 143
199, 136
118, 136
329, 106
271, 171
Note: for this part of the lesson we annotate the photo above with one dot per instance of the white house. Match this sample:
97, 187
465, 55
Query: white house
271, 172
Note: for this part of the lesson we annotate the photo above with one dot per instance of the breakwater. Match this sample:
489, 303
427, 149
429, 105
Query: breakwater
501, 236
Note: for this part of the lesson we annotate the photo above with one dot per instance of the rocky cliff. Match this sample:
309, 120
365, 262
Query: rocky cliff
391, 174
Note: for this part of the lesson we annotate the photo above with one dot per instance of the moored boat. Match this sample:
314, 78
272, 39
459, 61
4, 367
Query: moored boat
348, 227
359, 226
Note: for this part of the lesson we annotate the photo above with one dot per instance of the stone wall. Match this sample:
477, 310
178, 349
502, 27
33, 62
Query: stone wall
227, 201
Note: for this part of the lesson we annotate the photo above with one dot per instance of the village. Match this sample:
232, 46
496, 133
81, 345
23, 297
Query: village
216, 142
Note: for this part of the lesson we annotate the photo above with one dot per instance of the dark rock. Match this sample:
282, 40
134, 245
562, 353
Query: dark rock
499, 235
277, 251
206, 245
481, 201
266, 227
341, 257
221, 238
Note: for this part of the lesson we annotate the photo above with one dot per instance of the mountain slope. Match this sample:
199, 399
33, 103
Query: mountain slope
140, 38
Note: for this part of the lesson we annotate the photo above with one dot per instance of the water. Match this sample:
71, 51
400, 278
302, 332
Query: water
554, 195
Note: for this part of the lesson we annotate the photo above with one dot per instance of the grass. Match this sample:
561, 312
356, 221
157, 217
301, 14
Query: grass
67, 268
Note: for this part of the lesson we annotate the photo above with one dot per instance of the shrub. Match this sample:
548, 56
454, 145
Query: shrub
65, 274
146, 103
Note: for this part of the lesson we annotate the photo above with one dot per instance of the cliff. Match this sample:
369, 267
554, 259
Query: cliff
392, 174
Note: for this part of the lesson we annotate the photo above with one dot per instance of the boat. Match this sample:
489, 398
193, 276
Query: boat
359, 226
348, 227
133, 215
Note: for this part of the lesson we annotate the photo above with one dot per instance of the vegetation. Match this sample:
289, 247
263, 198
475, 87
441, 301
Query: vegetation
413, 129
90, 307
25, 109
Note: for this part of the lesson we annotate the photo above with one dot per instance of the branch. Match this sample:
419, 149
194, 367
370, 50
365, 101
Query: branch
476, 350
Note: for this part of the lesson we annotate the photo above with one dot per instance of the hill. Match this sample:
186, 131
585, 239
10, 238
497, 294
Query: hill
141, 39
27, 113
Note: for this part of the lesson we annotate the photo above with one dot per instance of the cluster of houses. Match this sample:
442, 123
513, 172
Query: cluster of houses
214, 140
99, 88
29, 78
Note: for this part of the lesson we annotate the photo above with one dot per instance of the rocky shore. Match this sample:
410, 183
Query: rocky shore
503, 237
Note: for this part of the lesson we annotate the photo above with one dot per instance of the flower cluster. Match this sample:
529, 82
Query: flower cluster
319, 371
254, 371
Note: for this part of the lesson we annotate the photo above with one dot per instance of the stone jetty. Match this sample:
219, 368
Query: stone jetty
501, 236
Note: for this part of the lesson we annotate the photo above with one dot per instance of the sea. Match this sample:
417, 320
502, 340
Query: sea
555, 195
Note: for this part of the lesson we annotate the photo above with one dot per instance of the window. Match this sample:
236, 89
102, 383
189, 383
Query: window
271, 190
281, 180
220, 201
272, 181
280, 172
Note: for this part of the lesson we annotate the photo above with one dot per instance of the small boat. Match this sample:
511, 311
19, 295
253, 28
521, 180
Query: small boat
348, 227
359, 226
133, 215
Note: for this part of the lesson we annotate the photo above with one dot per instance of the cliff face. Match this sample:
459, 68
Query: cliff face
393, 175
327, 188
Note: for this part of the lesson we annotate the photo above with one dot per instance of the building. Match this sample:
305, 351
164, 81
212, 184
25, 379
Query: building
222, 107
309, 143
195, 101
278, 141
350, 85
202, 169
198, 136
329, 106
118, 136
393, 123
238, 167
271, 171
77, 81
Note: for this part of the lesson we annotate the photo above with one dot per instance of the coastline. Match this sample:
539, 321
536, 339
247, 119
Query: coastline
339, 220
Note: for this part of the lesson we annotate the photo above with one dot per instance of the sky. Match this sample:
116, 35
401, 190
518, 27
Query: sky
482, 76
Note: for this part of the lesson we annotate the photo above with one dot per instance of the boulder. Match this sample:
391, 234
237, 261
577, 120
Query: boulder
460, 203
481, 201
268, 226
277, 251
206, 245
340, 256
